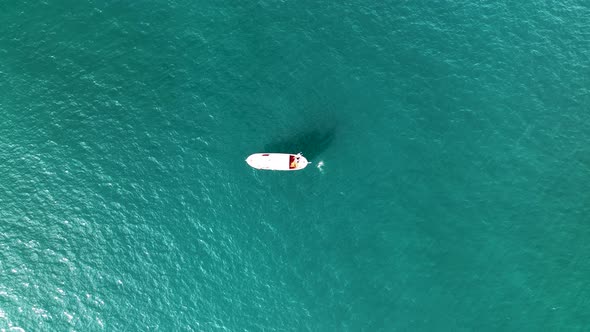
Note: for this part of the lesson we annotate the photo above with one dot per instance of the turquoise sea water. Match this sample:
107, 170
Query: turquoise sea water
453, 196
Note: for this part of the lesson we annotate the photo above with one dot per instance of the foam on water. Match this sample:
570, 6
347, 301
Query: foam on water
320, 165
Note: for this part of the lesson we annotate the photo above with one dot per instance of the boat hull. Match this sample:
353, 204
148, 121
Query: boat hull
277, 161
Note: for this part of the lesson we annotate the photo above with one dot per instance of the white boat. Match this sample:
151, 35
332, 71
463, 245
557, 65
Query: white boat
277, 161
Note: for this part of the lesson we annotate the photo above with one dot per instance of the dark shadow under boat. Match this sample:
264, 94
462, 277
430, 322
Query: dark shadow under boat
310, 143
